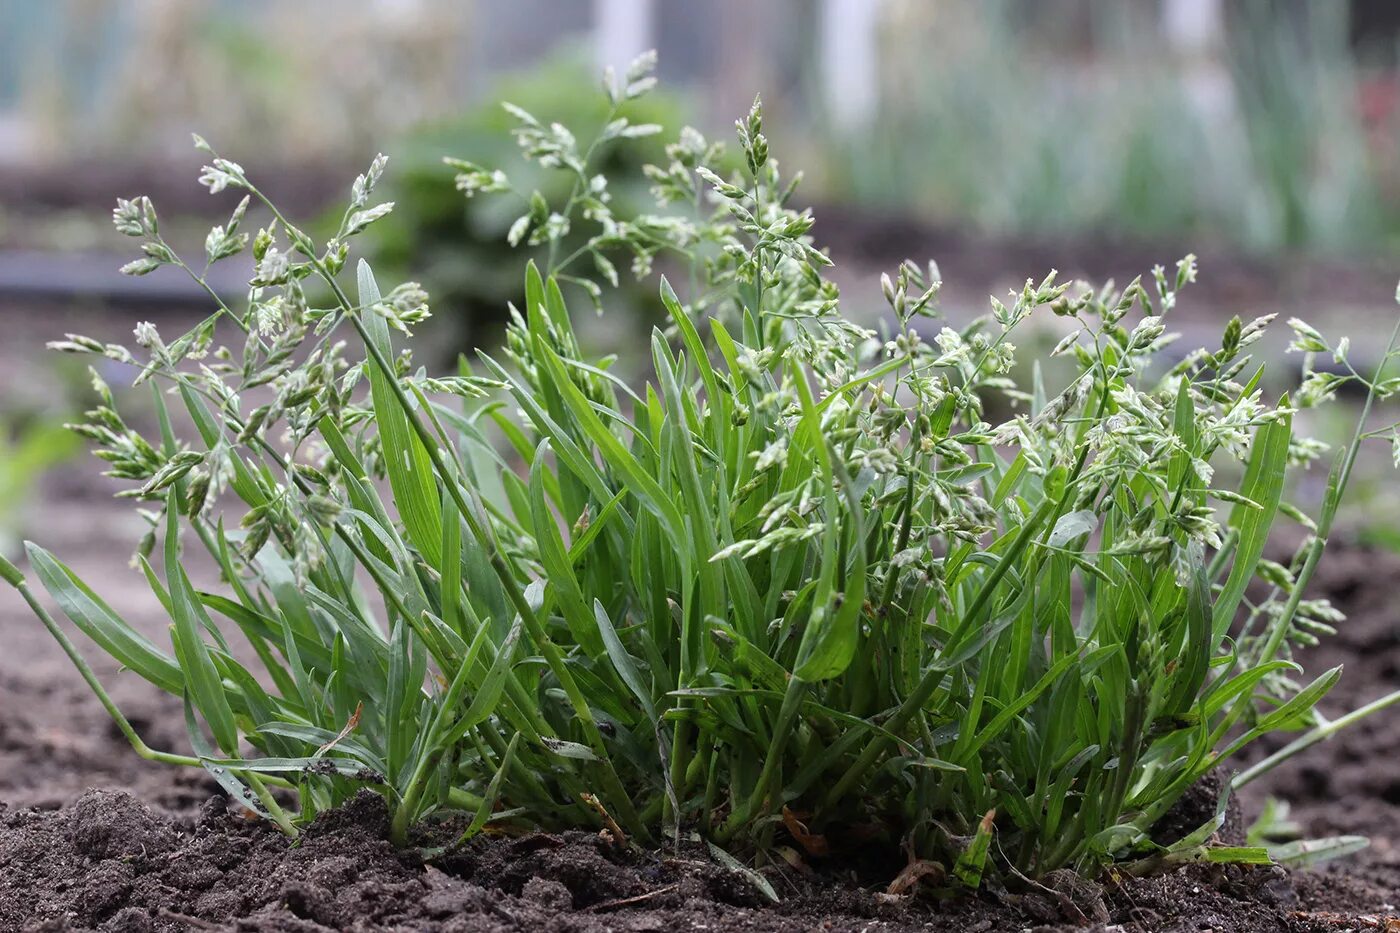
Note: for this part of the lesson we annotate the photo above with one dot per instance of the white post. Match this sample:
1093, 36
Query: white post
1195, 31
850, 60
1193, 26
622, 31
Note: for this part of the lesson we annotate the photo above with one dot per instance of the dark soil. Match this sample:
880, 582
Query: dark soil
109, 862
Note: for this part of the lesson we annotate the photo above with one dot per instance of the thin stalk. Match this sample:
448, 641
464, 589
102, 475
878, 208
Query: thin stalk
1311, 738
257, 783
1335, 490
906, 526
760, 801
123, 724
707, 808
274, 809
675, 775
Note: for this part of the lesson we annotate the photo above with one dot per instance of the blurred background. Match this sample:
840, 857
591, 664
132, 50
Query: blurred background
1001, 138
1265, 124
1257, 127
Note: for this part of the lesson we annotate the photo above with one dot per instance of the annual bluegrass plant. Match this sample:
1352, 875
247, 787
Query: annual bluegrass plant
802, 585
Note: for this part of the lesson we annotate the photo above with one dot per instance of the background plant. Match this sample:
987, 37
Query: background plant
28, 447
458, 246
797, 584
1135, 137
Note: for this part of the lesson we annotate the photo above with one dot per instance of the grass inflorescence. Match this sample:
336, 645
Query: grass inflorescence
804, 585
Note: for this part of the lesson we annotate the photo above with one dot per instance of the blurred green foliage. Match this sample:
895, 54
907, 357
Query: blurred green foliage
1004, 117
456, 246
28, 447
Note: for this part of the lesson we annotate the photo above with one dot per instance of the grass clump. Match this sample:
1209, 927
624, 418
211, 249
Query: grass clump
811, 581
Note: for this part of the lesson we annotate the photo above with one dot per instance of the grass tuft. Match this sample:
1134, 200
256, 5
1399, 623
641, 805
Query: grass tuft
810, 581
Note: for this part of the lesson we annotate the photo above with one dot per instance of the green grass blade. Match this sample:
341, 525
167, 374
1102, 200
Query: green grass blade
206, 690
96, 620
405, 459
1263, 483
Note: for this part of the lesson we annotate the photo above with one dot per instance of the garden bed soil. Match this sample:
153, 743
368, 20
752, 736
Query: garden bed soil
109, 862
